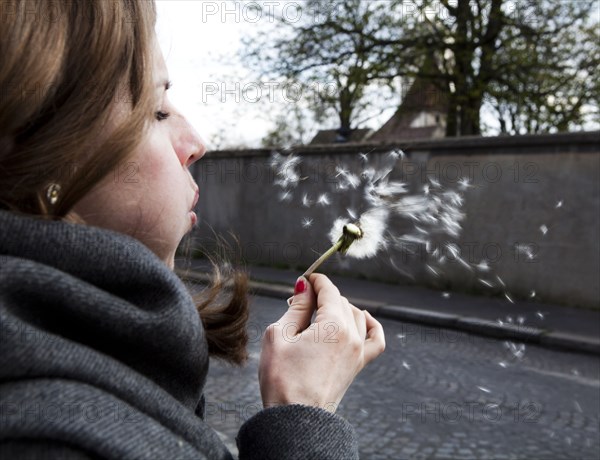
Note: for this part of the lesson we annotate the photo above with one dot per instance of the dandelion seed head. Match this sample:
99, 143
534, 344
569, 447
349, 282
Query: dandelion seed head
373, 224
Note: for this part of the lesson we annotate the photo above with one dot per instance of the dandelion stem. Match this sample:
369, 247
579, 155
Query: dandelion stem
351, 232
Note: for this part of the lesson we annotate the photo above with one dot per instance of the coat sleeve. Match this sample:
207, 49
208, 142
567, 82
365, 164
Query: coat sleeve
297, 432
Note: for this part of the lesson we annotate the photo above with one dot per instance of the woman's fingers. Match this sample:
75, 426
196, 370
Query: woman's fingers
375, 343
301, 308
360, 321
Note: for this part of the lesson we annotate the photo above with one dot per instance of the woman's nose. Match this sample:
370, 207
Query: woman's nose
188, 144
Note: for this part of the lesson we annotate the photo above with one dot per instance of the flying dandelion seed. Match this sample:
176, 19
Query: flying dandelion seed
405, 365
520, 320
559, 204
285, 196
307, 223
577, 406
543, 229
500, 281
539, 314
401, 336
364, 157
532, 294
483, 266
485, 390
396, 154
323, 199
485, 282
464, 183
352, 214
526, 250
446, 295
432, 270
306, 201
503, 364
286, 170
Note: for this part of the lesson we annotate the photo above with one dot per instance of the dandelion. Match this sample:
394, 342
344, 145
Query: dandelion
372, 225
543, 229
350, 233
306, 222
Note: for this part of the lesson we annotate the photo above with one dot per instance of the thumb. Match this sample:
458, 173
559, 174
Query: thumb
302, 306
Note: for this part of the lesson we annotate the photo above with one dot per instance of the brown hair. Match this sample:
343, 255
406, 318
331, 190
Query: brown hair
64, 64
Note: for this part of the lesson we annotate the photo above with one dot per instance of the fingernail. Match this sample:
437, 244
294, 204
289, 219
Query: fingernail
289, 301
300, 286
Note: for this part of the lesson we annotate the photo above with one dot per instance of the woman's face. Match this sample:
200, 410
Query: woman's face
152, 196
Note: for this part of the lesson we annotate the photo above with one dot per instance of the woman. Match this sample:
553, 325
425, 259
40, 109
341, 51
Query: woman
103, 352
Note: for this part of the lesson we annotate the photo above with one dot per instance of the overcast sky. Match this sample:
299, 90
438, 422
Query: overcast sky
200, 41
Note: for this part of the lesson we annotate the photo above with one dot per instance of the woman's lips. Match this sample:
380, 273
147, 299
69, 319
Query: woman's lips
196, 199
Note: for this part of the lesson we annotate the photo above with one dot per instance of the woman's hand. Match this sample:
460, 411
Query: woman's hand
315, 363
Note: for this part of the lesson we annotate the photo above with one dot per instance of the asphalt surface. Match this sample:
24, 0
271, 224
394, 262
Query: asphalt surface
442, 394
553, 326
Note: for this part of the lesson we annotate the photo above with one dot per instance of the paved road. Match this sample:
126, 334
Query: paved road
440, 394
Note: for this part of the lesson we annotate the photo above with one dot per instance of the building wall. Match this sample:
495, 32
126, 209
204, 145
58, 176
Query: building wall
520, 186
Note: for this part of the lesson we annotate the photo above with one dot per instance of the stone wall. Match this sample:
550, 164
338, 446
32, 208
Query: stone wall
532, 212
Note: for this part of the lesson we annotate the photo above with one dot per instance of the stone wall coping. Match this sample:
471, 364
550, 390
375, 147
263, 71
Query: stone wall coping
585, 141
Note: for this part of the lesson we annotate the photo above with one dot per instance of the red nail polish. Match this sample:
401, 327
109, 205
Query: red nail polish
300, 286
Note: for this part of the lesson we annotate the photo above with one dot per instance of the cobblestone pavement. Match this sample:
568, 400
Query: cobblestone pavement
440, 394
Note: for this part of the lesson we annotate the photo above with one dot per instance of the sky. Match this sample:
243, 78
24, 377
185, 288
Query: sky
201, 41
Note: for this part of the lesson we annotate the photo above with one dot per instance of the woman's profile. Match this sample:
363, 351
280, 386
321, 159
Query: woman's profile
103, 351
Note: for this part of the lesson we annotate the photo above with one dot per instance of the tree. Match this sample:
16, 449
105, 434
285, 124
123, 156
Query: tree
531, 60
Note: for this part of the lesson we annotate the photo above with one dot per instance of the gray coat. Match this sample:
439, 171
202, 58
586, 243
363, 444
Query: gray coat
103, 355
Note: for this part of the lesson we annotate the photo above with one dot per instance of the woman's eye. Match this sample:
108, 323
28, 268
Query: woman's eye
160, 115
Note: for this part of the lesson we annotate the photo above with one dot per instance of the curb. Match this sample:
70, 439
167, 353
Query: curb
549, 339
